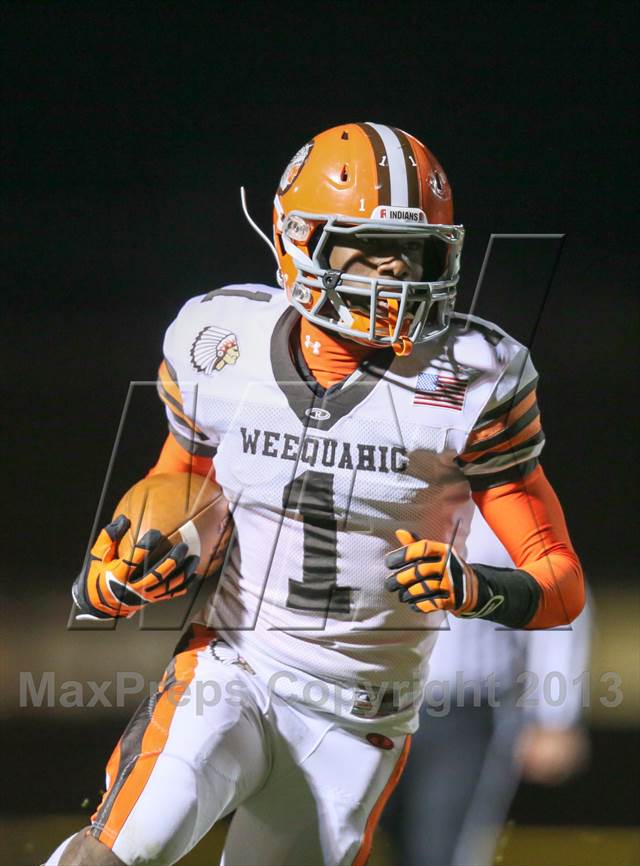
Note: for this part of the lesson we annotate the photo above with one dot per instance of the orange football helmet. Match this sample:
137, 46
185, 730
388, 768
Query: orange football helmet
369, 181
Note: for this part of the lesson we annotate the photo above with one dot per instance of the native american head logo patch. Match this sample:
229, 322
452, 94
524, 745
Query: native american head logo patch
213, 349
294, 168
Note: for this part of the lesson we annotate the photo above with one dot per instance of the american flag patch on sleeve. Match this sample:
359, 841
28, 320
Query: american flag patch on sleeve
440, 389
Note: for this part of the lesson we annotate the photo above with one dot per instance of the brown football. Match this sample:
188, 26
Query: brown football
183, 507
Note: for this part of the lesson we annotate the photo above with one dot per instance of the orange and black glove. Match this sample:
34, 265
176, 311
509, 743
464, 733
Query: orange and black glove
111, 587
430, 576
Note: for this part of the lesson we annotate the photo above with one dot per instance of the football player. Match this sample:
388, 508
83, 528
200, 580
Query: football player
353, 419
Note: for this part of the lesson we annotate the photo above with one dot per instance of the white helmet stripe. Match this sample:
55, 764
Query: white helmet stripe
397, 164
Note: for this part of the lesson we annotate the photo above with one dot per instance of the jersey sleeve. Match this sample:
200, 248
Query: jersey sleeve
174, 458
507, 437
178, 390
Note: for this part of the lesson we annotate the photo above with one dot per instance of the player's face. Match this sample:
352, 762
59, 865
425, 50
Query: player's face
396, 259
391, 258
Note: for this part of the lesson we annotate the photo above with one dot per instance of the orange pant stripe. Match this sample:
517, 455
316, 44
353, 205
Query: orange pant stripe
372, 821
146, 735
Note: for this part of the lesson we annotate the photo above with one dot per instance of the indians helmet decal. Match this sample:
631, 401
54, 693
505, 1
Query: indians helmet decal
292, 171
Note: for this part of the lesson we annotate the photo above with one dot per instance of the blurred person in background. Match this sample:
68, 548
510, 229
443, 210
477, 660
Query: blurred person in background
501, 706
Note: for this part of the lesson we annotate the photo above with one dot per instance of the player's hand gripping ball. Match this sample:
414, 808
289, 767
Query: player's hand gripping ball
430, 576
115, 586
170, 529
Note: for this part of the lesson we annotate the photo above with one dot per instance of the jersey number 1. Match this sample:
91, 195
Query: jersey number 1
312, 495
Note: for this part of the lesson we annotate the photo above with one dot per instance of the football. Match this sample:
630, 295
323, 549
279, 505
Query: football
183, 507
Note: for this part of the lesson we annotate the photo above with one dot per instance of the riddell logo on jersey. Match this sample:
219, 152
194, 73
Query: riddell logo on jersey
317, 414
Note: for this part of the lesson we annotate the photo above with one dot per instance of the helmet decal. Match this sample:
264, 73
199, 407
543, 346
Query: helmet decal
411, 165
294, 168
437, 184
410, 214
381, 159
396, 165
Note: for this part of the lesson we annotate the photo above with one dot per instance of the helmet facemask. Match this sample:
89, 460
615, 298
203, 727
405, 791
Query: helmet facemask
380, 311
370, 181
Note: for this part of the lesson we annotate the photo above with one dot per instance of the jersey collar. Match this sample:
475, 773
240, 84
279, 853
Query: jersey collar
314, 405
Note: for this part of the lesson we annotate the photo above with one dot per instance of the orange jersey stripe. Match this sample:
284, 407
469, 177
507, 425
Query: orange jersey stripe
170, 394
166, 398
169, 383
510, 445
181, 416
499, 425
372, 821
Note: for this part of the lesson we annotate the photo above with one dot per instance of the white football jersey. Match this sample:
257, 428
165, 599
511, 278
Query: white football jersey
319, 481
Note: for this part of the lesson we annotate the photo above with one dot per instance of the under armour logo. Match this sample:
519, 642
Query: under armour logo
311, 344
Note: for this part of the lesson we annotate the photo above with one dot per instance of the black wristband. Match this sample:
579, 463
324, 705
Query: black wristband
519, 591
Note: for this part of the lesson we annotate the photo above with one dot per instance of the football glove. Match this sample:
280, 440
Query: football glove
111, 587
430, 576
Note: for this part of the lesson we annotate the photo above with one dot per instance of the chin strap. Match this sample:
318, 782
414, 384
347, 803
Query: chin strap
402, 347
256, 227
331, 279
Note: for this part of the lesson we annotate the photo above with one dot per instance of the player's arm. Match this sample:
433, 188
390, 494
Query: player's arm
112, 586
546, 587
500, 461
175, 458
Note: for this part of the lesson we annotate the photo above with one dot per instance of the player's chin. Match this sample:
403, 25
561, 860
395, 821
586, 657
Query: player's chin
384, 325
382, 311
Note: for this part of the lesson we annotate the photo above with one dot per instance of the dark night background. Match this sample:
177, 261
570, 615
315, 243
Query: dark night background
128, 130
